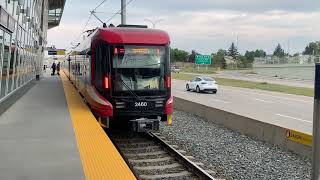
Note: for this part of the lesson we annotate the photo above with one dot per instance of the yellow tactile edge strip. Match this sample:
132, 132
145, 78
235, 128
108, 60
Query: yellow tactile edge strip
100, 159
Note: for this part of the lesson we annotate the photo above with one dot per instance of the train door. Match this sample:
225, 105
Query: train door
101, 76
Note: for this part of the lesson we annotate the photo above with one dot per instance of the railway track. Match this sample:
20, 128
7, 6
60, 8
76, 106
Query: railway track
151, 157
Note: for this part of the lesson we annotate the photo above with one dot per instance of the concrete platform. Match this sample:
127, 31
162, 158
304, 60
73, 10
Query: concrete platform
49, 133
36, 136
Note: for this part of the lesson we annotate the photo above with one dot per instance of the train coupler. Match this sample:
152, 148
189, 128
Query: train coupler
144, 125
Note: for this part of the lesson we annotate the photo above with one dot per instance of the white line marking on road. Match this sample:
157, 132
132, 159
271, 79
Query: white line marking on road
218, 100
190, 96
293, 118
267, 95
262, 100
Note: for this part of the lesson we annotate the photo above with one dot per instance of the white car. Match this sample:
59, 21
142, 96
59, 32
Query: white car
175, 69
199, 84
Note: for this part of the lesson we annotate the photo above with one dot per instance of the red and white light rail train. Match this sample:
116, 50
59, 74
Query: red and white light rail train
123, 73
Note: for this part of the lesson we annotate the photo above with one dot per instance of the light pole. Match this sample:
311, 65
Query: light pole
123, 12
153, 22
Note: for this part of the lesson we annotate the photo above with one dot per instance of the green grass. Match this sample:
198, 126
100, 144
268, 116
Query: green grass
253, 85
202, 70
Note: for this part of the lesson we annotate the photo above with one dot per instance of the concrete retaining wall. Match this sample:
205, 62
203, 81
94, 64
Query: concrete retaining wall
259, 130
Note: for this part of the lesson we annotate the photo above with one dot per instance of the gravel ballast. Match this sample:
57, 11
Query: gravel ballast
232, 155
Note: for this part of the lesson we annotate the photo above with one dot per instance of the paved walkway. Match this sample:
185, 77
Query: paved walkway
37, 138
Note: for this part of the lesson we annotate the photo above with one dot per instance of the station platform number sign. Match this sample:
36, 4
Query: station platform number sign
203, 60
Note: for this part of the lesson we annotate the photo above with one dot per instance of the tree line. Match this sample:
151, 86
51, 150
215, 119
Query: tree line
241, 60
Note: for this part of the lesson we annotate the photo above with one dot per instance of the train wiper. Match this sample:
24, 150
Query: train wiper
130, 90
151, 65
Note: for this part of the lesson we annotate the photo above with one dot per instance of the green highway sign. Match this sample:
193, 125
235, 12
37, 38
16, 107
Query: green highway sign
203, 59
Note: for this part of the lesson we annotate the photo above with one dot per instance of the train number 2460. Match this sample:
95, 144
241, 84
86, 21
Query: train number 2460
141, 104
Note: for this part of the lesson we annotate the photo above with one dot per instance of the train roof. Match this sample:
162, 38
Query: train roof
120, 35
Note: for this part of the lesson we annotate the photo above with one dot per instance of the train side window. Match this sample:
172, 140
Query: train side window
105, 60
98, 68
101, 64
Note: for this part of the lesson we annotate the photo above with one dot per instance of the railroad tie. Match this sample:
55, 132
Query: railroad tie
161, 176
162, 167
140, 148
150, 160
146, 154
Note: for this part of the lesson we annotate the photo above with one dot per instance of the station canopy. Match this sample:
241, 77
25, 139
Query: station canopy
55, 12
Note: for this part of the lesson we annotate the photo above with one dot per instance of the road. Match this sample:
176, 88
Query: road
285, 110
259, 78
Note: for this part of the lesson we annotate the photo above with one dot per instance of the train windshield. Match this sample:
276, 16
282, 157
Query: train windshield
139, 68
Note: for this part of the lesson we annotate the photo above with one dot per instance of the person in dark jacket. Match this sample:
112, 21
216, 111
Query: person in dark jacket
58, 68
53, 67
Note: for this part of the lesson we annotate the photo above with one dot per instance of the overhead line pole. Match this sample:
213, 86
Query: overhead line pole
123, 12
315, 173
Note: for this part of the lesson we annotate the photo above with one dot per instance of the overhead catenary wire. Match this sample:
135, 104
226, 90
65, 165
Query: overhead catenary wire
99, 5
93, 12
89, 18
85, 26
118, 11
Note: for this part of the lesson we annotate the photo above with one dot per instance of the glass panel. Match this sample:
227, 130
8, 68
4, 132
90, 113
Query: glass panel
12, 62
28, 68
13, 68
1, 57
16, 67
10, 7
21, 56
20, 69
23, 68
3, 4
10, 80
5, 65
139, 57
208, 79
139, 68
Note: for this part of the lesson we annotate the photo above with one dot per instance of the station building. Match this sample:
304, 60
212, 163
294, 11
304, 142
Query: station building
23, 38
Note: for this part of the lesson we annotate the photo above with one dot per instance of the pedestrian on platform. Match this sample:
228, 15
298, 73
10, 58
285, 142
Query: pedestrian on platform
53, 67
58, 68
44, 68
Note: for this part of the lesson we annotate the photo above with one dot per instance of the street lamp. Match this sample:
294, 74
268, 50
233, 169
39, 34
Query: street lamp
153, 22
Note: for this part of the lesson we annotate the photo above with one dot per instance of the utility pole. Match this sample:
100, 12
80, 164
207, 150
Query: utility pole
237, 51
237, 41
315, 173
288, 51
123, 12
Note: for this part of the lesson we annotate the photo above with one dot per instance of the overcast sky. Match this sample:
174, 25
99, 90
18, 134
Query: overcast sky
205, 25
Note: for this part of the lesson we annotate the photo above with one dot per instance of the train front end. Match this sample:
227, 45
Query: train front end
139, 79
141, 85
